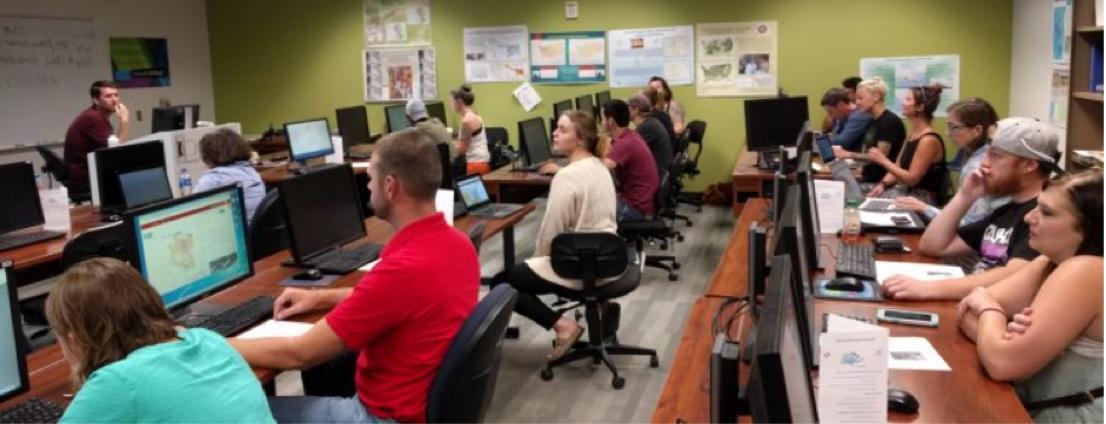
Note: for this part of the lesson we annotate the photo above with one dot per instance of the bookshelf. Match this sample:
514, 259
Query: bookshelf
1084, 105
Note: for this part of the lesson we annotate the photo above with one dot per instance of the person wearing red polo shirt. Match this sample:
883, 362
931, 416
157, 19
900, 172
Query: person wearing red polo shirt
632, 163
90, 131
399, 319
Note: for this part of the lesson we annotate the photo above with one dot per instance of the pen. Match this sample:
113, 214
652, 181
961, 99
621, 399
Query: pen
940, 273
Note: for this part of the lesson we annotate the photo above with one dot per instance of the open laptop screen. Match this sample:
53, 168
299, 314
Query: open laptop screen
473, 192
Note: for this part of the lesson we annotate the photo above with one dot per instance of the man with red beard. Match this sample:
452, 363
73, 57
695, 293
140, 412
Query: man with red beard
1018, 163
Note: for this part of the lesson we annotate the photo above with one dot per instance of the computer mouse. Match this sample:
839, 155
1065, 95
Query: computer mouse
901, 401
309, 274
845, 284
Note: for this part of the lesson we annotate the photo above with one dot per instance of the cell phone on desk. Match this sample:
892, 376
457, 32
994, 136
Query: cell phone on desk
903, 316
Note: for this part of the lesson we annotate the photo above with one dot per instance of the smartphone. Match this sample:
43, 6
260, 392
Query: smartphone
902, 316
901, 220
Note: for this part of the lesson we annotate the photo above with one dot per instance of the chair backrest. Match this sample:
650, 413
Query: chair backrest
476, 234
588, 256
54, 165
447, 167
465, 381
695, 131
498, 140
107, 241
268, 231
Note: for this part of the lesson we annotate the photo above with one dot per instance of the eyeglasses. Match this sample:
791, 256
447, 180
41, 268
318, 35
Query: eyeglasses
953, 127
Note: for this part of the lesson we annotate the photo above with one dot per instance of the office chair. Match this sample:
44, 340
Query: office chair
268, 232
656, 229
590, 257
465, 382
693, 135
667, 208
476, 234
499, 147
55, 167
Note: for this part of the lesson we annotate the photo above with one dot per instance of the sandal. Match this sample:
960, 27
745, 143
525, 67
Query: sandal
561, 346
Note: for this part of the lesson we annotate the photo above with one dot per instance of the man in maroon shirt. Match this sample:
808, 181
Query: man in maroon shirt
90, 131
635, 171
399, 320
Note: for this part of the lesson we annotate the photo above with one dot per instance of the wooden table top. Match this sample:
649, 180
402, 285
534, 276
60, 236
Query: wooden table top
504, 175
271, 175
966, 394
49, 373
81, 218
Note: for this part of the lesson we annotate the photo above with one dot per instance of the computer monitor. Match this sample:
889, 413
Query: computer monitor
437, 110
171, 118
353, 126
805, 140
774, 122
585, 103
758, 264
601, 98
19, 203
322, 210
534, 141
396, 115
145, 186
808, 209
560, 108
193, 246
779, 386
308, 139
14, 379
790, 242
112, 162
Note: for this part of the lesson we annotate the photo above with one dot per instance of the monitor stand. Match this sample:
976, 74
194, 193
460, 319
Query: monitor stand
768, 159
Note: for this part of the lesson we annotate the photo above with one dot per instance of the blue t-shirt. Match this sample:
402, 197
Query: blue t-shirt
199, 378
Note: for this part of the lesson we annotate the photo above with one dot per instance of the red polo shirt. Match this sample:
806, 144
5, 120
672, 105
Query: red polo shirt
88, 131
636, 171
404, 313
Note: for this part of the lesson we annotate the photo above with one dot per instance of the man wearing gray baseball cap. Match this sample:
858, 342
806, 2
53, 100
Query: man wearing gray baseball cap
1022, 156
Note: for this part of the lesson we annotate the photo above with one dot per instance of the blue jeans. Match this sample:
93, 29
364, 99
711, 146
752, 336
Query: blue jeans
319, 409
627, 213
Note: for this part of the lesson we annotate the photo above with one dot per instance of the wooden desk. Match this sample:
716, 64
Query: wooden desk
966, 394
49, 372
505, 185
273, 175
81, 218
748, 180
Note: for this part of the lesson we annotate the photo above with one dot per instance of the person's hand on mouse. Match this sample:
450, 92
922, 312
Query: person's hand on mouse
294, 302
901, 287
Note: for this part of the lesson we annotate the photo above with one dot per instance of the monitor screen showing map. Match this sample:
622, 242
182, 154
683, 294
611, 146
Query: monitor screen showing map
192, 246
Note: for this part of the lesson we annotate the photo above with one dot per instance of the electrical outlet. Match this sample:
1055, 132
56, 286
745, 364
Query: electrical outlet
572, 9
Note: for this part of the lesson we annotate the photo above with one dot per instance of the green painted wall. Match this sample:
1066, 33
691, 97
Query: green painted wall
281, 60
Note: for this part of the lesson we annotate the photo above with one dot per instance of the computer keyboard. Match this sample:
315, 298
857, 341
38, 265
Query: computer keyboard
856, 260
345, 260
33, 411
878, 205
236, 319
12, 241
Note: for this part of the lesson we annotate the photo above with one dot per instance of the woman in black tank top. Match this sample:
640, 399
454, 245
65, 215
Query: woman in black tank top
921, 163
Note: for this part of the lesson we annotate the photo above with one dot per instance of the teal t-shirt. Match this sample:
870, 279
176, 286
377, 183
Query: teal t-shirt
200, 378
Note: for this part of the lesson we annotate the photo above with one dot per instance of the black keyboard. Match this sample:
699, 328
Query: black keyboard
236, 319
12, 241
856, 261
33, 411
342, 261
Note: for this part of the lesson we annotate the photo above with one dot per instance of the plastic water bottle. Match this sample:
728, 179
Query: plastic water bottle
113, 140
185, 183
850, 231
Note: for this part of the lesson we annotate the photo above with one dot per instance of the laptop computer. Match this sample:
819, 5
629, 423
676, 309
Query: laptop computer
476, 200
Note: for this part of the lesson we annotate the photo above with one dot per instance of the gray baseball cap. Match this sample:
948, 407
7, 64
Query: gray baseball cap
1030, 139
416, 109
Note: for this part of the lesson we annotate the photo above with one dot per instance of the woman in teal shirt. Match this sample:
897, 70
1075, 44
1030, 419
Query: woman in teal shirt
130, 363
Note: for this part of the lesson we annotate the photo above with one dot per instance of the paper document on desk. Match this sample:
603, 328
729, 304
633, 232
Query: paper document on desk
831, 205
364, 164
881, 219
443, 202
852, 375
915, 353
274, 328
917, 271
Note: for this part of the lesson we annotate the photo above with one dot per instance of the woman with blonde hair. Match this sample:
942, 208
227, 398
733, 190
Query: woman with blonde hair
885, 132
130, 363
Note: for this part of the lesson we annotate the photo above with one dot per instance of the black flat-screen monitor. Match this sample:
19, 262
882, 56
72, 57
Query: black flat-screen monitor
534, 141
601, 98
322, 211
308, 139
779, 388
790, 241
396, 115
758, 264
145, 186
14, 378
560, 108
585, 103
172, 118
808, 209
112, 162
437, 110
193, 246
353, 126
20, 207
774, 122
805, 140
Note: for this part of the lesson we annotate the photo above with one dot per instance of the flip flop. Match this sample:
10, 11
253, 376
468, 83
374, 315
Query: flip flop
561, 346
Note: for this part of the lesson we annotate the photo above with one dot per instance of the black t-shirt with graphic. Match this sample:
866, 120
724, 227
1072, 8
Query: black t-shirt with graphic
1001, 236
887, 127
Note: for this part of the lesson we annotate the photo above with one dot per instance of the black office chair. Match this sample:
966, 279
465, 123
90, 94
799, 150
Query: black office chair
465, 381
476, 234
268, 232
655, 230
590, 257
55, 167
693, 135
673, 186
499, 147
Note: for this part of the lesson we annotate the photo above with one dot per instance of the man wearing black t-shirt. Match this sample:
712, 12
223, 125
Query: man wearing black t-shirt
885, 132
1021, 157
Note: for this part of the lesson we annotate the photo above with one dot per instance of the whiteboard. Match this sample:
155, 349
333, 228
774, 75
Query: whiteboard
46, 67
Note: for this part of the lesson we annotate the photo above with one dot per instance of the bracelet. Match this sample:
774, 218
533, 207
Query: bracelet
981, 311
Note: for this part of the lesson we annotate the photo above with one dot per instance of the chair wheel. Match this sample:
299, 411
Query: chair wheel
546, 374
654, 362
680, 237
664, 246
689, 223
673, 277
618, 382
699, 209
675, 265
